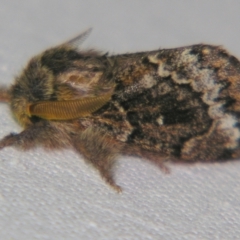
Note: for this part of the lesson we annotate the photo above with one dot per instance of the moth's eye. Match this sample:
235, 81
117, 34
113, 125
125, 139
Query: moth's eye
34, 119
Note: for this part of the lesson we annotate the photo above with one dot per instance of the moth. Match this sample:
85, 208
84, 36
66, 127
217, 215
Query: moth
180, 104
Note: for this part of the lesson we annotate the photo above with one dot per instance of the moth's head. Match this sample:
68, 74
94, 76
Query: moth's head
40, 92
34, 84
51, 86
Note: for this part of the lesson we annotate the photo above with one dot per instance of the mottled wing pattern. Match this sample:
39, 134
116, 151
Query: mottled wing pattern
180, 102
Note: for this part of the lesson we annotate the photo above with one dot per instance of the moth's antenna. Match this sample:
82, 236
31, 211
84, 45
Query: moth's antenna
79, 39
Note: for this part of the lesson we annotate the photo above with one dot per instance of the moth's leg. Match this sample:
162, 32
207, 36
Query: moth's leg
4, 94
154, 157
100, 151
38, 134
24, 140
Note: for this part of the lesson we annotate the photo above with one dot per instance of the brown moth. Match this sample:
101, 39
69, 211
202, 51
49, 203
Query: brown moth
179, 104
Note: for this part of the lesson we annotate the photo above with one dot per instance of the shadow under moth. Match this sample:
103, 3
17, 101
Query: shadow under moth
180, 104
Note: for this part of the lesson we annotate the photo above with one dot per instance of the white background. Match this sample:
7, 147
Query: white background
55, 195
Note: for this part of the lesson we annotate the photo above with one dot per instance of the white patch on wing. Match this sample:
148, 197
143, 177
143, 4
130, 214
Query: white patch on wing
148, 81
159, 120
216, 111
227, 125
210, 96
162, 71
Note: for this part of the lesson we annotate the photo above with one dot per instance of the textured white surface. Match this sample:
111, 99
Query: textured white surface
55, 195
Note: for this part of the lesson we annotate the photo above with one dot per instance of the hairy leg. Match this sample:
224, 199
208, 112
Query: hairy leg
4, 94
42, 134
100, 151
